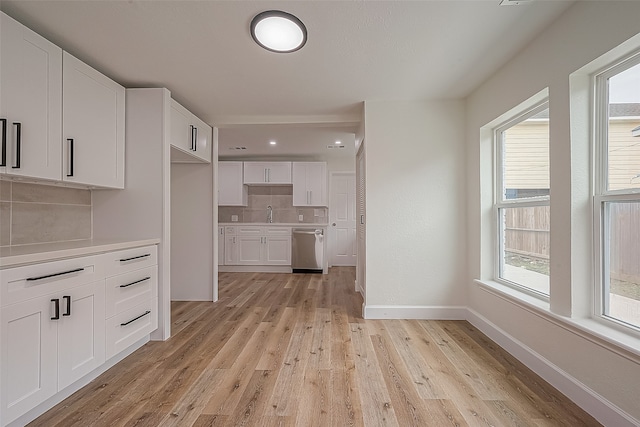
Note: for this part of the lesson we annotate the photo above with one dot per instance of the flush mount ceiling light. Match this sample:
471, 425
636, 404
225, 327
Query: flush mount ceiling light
278, 31
272, 142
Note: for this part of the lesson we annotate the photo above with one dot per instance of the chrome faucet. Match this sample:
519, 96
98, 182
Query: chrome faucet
269, 214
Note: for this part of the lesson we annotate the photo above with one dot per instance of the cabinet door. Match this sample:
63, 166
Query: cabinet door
81, 332
190, 136
278, 250
250, 250
231, 189
28, 359
230, 250
279, 173
93, 130
317, 183
202, 139
30, 102
309, 184
255, 173
180, 131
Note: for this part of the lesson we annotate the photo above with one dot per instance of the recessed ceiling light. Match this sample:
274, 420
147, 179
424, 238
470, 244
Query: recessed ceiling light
338, 142
278, 31
272, 142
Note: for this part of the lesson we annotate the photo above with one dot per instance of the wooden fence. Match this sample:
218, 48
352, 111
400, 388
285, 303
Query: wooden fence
624, 229
527, 233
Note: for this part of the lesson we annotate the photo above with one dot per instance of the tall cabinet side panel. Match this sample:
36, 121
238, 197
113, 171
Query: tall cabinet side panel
142, 209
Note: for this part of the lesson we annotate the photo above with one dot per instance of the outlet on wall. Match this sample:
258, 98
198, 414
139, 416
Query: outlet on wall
300, 217
234, 218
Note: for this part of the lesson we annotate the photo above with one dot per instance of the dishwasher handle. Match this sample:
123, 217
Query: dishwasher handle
315, 232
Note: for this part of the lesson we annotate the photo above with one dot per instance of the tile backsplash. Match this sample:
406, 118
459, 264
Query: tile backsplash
36, 213
280, 198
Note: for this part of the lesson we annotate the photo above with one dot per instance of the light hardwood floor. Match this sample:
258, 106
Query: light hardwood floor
292, 350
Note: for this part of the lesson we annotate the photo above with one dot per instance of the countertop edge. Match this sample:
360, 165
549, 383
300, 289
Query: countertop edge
31, 254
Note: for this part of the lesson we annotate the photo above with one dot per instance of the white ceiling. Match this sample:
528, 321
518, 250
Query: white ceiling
357, 50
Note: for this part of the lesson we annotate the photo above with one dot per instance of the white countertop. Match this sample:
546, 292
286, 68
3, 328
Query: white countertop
11, 256
277, 224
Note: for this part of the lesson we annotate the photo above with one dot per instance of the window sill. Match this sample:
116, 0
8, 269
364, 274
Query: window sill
625, 344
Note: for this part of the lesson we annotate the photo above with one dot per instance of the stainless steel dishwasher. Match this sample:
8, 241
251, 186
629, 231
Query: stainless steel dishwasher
307, 250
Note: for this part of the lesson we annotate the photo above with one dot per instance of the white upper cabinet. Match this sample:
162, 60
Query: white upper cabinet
267, 173
93, 129
309, 184
191, 138
231, 189
30, 103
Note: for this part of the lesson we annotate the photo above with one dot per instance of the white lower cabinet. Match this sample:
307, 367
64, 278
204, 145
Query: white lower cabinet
132, 296
255, 245
61, 320
49, 342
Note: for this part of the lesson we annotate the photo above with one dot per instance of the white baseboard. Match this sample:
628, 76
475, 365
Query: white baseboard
598, 407
414, 312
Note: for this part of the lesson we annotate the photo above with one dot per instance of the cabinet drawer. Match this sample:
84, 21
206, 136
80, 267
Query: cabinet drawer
120, 262
249, 231
23, 283
229, 230
277, 231
127, 290
127, 327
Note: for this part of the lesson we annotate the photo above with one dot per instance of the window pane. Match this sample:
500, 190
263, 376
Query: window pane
623, 146
525, 247
526, 158
622, 245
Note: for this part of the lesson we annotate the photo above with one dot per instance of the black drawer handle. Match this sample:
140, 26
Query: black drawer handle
56, 316
30, 279
18, 126
133, 283
67, 298
134, 319
3, 160
135, 257
70, 140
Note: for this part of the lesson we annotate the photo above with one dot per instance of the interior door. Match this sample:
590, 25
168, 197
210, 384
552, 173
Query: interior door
342, 217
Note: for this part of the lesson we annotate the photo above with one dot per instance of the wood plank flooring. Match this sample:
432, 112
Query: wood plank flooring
292, 350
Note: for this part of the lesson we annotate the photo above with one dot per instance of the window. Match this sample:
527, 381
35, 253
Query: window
617, 191
522, 200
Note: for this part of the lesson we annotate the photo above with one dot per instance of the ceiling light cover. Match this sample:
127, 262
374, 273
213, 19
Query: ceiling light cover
278, 31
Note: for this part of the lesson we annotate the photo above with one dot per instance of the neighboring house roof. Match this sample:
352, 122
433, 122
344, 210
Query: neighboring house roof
624, 110
629, 109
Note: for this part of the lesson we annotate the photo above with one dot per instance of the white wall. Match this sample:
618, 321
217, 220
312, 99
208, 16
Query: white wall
191, 232
578, 362
415, 208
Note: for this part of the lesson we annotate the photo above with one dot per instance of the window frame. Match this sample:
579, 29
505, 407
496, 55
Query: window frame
601, 195
499, 202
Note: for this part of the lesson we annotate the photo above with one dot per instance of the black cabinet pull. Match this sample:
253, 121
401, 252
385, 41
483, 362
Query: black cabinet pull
135, 257
136, 318
133, 283
193, 139
70, 140
18, 126
56, 316
67, 298
30, 279
3, 160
